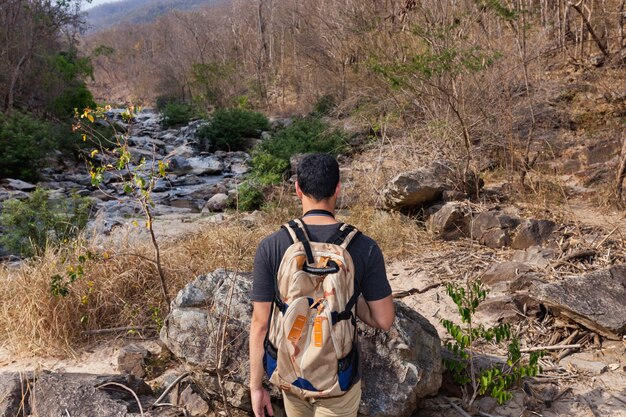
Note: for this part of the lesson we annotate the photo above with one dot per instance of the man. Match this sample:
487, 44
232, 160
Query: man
318, 186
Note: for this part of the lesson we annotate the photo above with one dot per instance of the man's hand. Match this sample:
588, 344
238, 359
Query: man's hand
260, 402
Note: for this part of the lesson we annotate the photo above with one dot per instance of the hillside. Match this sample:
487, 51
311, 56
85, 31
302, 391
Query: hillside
481, 144
135, 12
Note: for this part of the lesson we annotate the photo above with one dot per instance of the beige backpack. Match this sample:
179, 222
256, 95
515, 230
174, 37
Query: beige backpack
311, 345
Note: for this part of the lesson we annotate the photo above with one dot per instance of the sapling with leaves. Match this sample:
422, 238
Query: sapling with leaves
111, 153
497, 379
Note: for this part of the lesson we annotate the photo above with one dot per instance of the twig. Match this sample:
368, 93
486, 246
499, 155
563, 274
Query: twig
118, 329
607, 236
168, 389
68, 413
106, 384
482, 413
406, 293
575, 255
457, 408
553, 347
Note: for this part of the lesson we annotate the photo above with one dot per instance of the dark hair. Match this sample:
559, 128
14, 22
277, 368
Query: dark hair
318, 175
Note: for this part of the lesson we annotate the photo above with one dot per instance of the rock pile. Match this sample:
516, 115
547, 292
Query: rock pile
492, 228
194, 177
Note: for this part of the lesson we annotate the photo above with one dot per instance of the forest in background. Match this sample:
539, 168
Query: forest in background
475, 80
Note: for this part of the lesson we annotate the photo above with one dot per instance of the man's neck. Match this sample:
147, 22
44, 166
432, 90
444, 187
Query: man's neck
318, 205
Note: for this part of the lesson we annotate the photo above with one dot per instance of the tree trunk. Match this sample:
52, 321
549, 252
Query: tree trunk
621, 172
587, 24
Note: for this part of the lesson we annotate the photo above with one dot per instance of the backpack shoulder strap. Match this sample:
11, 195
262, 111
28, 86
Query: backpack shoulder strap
344, 236
298, 233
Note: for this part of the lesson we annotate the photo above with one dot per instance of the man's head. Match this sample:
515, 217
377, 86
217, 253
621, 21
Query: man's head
318, 176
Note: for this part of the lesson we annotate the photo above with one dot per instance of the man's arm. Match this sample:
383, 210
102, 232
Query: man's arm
258, 328
379, 313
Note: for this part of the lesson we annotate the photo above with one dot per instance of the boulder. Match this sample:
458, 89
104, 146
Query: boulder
19, 185
193, 403
80, 395
197, 165
412, 191
192, 330
493, 228
505, 272
451, 222
400, 366
130, 360
595, 300
532, 233
535, 256
12, 388
218, 202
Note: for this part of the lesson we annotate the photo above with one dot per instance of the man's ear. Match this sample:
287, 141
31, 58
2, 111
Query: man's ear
337, 189
298, 191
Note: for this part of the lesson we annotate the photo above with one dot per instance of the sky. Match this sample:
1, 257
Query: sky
94, 3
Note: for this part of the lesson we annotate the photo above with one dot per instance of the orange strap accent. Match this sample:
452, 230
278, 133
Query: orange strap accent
296, 329
318, 335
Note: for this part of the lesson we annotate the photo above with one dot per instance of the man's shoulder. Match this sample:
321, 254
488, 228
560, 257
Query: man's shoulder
363, 241
277, 238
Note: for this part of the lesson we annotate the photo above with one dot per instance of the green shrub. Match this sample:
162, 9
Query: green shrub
270, 160
65, 77
324, 105
24, 142
32, 224
249, 196
497, 379
229, 128
267, 169
176, 113
305, 136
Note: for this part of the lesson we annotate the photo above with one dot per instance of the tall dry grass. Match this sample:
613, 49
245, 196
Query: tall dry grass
120, 286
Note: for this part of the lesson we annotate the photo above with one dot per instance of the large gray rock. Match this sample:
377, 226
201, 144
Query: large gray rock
595, 300
412, 191
79, 395
19, 185
451, 222
197, 165
399, 367
218, 202
12, 389
493, 228
193, 329
532, 233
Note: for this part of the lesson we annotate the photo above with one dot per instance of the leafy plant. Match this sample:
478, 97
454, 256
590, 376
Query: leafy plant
229, 128
60, 285
30, 225
497, 379
270, 160
267, 169
324, 105
138, 177
24, 142
177, 113
249, 196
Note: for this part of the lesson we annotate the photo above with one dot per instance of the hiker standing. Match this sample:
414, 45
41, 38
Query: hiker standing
311, 279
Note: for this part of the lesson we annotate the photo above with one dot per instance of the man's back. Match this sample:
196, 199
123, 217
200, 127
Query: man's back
368, 261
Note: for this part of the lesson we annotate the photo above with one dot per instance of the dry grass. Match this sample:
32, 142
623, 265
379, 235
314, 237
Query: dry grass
119, 288
120, 285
